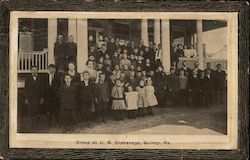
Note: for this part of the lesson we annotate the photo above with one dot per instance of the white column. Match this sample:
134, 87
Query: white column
72, 27
82, 44
165, 28
52, 35
144, 31
157, 31
199, 44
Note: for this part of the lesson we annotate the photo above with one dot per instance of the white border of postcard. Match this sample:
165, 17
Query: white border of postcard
128, 141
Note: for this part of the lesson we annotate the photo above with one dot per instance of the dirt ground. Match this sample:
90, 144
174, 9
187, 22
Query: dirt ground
181, 120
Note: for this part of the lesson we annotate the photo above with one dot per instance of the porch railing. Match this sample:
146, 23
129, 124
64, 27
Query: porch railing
28, 59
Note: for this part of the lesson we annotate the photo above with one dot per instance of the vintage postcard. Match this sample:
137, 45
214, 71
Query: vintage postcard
137, 80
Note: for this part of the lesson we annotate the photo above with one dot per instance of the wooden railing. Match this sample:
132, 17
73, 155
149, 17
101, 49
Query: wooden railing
214, 62
28, 59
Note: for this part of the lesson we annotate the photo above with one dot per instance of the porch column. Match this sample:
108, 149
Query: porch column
72, 28
165, 27
82, 44
144, 31
199, 44
52, 35
157, 31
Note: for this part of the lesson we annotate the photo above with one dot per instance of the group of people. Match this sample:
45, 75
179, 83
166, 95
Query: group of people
120, 81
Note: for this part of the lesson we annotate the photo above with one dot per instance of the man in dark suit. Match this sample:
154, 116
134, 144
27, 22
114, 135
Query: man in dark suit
161, 86
194, 90
219, 84
196, 69
52, 101
60, 50
186, 68
34, 96
72, 50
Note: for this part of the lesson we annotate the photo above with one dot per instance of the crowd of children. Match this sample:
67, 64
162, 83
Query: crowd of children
128, 81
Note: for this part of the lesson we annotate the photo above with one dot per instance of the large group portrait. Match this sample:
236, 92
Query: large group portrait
123, 80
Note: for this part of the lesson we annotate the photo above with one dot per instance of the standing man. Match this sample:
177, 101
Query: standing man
219, 84
34, 96
60, 50
52, 101
196, 69
72, 50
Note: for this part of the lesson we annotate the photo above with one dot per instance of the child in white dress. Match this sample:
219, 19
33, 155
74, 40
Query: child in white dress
151, 98
131, 98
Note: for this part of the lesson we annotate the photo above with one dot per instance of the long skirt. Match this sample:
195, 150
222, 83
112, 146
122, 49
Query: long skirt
118, 104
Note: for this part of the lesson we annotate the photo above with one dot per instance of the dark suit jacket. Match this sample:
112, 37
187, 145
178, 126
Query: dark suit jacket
68, 96
111, 48
194, 84
173, 82
102, 91
206, 84
219, 80
72, 52
60, 50
51, 92
34, 92
86, 93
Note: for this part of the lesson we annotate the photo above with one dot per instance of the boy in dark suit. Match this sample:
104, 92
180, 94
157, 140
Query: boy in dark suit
173, 87
101, 97
86, 99
34, 96
52, 101
68, 97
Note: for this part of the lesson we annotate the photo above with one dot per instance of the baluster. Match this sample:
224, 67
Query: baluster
40, 65
32, 59
19, 63
37, 61
42, 61
29, 61
46, 60
22, 62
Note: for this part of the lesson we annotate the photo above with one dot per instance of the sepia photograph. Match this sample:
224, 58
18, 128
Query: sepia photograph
124, 79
